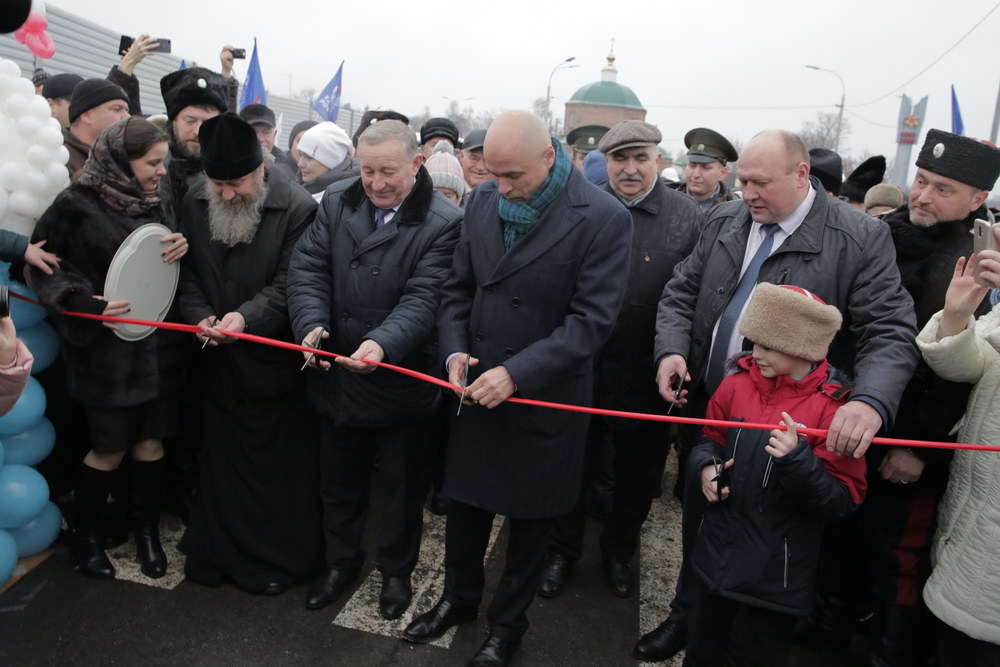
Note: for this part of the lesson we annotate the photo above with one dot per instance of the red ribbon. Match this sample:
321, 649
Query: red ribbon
193, 328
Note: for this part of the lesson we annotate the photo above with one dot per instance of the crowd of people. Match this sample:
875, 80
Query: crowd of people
516, 264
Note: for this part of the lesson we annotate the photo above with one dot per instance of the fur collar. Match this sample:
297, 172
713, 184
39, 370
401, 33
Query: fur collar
914, 242
413, 209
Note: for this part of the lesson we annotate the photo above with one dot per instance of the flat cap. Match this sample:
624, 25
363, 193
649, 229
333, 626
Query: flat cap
258, 114
966, 160
474, 139
586, 137
705, 145
630, 134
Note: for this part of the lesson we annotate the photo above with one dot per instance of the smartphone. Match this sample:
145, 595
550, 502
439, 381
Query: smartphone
983, 239
4, 301
240, 54
126, 43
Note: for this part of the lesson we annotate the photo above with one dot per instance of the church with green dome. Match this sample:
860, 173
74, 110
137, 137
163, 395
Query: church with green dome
605, 102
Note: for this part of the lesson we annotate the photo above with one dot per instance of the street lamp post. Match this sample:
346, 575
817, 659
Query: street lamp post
843, 95
548, 91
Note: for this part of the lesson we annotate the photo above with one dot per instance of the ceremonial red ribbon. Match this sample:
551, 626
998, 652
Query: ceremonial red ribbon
193, 328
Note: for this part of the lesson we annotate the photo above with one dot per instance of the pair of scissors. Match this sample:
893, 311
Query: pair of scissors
465, 388
677, 392
319, 341
215, 320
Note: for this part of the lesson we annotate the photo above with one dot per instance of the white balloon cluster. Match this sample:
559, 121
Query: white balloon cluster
32, 156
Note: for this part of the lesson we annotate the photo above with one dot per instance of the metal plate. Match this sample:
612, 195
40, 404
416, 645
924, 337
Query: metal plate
139, 275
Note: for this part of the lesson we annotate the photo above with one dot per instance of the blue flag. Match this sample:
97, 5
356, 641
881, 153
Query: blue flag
957, 127
184, 64
328, 104
253, 87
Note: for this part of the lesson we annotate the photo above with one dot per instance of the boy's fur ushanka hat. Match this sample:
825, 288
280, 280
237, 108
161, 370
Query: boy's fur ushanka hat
790, 319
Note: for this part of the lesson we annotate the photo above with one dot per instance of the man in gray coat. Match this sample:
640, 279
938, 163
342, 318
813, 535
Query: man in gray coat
785, 231
536, 284
367, 276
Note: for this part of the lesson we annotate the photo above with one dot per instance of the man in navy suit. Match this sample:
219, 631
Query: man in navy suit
536, 284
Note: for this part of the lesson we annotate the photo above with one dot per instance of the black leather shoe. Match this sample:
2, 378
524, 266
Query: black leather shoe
395, 597
328, 588
495, 652
152, 560
432, 624
662, 643
619, 574
274, 588
90, 556
437, 505
554, 576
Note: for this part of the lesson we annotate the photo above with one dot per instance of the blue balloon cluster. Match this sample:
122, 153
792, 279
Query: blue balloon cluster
29, 522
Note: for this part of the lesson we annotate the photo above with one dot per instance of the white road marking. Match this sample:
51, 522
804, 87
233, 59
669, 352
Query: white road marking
361, 611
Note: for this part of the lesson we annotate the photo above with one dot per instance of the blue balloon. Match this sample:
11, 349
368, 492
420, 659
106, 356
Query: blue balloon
23, 494
32, 446
26, 412
23, 313
36, 535
43, 341
2, 455
8, 555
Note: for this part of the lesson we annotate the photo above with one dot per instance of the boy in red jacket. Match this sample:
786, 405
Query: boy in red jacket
770, 500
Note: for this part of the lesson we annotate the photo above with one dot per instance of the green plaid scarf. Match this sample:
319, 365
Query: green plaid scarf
519, 217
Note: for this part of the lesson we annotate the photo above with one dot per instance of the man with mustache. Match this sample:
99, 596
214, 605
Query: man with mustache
666, 226
256, 520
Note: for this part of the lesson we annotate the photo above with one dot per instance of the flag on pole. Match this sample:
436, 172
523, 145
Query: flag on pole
184, 64
253, 88
957, 127
328, 104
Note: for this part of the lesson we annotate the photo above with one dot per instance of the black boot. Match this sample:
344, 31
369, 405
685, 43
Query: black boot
90, 500
901, 636
147, 499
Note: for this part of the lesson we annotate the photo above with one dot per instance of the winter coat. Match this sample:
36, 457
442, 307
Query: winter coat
761, 545
12, 246
102, 370
349, 168
543, 310
362, 283
249, 278
130, 84
78, 152
183, 174
725, 194
964, 588
839, 254
666, 226
14, 379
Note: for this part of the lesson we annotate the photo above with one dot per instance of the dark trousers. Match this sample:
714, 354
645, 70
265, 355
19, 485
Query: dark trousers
346, 457
956, 649
639, 459
694, 504
466, 539
765, 635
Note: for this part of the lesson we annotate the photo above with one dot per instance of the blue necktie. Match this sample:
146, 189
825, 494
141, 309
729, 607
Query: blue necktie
380, 217
731, 315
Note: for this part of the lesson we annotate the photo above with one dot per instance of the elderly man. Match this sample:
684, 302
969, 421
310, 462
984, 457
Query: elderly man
785, 231
367, 276
708, 154
896, 522
256, 520
536, 284
264, 123
471, 158
667, 225
96, 104
435, 130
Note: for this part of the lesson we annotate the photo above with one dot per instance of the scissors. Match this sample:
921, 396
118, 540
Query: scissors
319, 341
677, 392
211, 324
465, 388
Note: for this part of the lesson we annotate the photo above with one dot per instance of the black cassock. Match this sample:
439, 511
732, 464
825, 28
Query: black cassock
257, 516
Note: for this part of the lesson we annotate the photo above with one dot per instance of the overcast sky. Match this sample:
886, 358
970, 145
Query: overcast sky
691, 63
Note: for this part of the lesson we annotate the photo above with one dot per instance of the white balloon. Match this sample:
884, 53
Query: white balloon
23, 87
12, 175
22, 203
60, 155
3, 202
54, 123
35, 182
50, 138
18, 224
55, 175
15, 105
39, 108
10, 68
38, 156
5, 81
28, 127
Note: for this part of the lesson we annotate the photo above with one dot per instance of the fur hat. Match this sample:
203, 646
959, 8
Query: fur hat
791, 320
445, 169
827, 166
194, 86
865, 176
327, 143
966, 160
229, 147
439, 127
370, 117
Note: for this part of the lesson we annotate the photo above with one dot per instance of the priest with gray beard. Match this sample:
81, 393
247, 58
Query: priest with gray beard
256, 520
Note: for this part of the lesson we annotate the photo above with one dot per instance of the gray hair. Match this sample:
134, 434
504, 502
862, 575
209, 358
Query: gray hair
384, 130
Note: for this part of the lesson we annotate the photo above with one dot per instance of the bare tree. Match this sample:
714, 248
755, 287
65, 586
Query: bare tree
822, 133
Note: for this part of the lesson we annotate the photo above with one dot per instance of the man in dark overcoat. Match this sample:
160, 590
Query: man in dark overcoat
536, 284
367, 276
256, 520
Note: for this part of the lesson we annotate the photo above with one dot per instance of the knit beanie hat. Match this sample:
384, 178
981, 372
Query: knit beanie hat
298, 128
791, 320
90, 93
326, 143
439, 127
445, 169
60, 86
966, 160
884, 194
